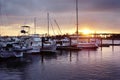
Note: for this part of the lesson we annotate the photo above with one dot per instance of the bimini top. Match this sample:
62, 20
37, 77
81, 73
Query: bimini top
26, 26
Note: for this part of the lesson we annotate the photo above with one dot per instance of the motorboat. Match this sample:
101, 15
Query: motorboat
11, 50
63, 42
92, 44
34, 42
48, 46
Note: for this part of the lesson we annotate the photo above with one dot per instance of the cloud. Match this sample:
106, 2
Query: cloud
102, 14
33, 7
106, 5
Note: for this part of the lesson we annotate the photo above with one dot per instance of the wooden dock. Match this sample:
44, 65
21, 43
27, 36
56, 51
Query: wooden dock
68, 48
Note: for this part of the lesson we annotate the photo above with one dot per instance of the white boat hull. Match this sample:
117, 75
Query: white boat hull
8, 54
87, 45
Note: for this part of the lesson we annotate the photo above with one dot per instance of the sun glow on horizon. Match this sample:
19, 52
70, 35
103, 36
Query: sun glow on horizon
86, 31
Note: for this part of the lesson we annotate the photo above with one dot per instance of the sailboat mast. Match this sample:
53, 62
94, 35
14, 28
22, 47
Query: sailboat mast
35, 25
77, 18
48, 22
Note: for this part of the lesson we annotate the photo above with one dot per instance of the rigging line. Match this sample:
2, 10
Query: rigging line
58, 26
58, 32
52, 27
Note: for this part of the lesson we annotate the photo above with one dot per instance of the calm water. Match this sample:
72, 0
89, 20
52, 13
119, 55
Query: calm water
100, 64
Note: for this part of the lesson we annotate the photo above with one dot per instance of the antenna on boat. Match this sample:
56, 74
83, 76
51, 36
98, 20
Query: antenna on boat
77, 18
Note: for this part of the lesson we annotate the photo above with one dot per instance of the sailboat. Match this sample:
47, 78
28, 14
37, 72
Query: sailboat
83, 44
48, 44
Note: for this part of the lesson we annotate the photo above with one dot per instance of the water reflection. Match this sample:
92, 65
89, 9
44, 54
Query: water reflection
12, 69
64, 65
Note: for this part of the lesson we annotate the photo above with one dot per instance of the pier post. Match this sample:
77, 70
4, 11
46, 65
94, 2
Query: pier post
70, 41
42, 58
42, 42
101, 43
112, 41
112, 44
70, 56
88, 39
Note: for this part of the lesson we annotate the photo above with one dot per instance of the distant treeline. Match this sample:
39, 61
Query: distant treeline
114, 36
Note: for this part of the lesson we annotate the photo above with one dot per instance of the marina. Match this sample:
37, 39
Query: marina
33, 44
59, 40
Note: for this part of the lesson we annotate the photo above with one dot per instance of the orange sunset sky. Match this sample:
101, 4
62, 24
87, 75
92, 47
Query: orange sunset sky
101, 16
